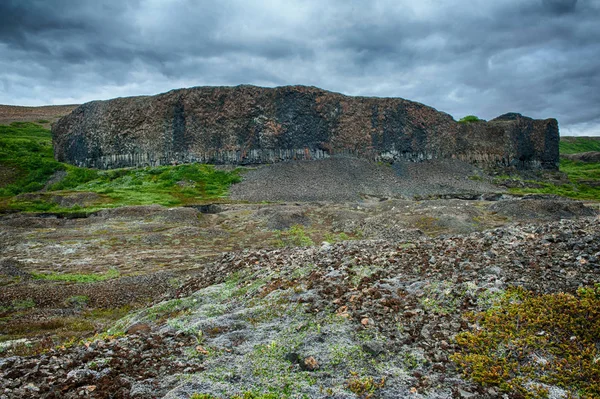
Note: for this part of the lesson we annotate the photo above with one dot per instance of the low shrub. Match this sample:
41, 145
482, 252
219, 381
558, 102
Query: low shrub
528, 341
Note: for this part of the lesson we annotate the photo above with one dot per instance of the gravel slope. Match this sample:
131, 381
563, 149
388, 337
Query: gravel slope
348, 179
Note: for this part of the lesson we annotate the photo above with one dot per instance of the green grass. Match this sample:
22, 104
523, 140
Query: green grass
579, 173
26, 151
573, 145
26, 158
580, 170
77, 277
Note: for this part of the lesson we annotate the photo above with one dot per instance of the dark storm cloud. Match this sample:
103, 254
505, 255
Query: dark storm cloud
537, 57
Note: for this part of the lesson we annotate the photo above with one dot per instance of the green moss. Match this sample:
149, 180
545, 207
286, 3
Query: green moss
333, 238
364, 387
358, 273
77, 277
526, 340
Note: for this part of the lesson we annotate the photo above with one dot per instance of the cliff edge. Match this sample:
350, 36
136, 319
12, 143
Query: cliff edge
255, 125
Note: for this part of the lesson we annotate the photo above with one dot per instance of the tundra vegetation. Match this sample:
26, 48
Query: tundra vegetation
263, 330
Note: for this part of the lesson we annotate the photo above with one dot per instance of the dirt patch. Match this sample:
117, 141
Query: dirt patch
79, 199
9, 175
542, 209
12, 268
284, 217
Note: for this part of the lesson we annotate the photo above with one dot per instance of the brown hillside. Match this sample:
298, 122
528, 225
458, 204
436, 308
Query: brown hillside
50, 113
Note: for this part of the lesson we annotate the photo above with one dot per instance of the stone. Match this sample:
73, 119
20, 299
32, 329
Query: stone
256, 125
373, 348
139, 328
309, 364
590, 156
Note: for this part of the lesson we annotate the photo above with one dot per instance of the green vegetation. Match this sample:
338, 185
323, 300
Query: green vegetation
27, 164
77, 277
364, 387
573, 145
245, 395
333, 238
578, 171
26, 158
527, 340
582, 177
23, 304
470, 119
295, 236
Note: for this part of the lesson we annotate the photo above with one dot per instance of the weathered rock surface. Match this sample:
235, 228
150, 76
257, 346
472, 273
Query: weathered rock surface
254, 125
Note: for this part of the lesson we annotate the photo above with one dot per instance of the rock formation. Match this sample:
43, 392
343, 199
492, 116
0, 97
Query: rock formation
252, 125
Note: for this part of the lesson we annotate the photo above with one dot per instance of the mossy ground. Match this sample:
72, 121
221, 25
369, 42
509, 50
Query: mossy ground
527, 342
253, 333
582, 183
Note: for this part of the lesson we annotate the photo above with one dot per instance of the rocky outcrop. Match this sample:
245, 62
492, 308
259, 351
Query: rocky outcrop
252, 125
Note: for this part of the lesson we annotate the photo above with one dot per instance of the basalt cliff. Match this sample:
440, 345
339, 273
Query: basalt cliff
254, 125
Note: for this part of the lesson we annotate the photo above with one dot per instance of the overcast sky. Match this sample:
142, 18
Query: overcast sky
484, 57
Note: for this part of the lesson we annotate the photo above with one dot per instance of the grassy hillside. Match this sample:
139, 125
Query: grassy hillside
26, 158
573, 145
31, 180
27, 166
583, 177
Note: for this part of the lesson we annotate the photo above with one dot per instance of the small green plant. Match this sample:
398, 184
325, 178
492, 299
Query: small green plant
295, 236
245, 395
358, 272
333, 238
364, 387
470, 119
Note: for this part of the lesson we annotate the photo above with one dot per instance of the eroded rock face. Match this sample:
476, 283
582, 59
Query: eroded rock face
253, 125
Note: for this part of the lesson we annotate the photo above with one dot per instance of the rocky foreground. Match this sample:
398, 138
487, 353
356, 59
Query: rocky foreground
346, 320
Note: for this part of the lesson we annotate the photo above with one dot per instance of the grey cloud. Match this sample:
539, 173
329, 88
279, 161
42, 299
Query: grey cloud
537, 57
560, 6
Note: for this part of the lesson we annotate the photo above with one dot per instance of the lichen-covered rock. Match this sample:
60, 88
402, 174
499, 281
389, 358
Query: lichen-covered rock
252, 125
